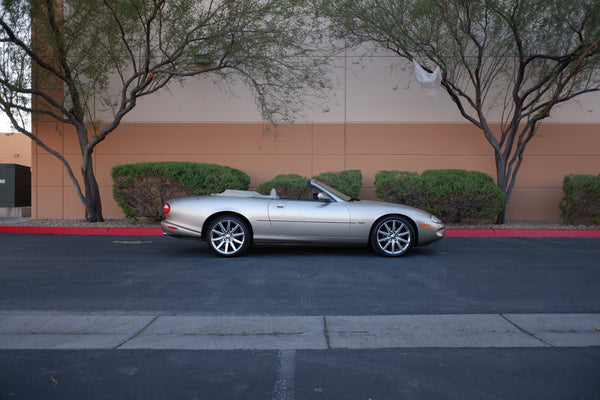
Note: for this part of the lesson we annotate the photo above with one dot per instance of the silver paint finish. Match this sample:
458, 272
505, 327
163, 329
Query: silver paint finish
336, 220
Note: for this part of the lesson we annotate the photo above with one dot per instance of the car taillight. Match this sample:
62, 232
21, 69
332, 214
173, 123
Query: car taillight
166, 208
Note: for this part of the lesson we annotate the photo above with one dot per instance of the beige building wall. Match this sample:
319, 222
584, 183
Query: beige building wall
378, 119
15, 148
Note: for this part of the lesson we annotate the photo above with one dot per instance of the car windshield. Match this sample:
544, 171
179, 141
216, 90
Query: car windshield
335, 192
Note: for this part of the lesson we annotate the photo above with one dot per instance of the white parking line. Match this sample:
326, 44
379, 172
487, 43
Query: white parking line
286, 373
47, 330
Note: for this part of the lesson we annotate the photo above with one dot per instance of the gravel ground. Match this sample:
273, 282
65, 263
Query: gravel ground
124, 223
523, 225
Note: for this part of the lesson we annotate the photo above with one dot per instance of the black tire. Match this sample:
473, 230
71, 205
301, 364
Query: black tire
228, 236
392, 236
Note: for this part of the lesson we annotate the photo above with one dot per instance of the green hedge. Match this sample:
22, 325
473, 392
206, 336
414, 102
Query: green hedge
347, 182
452, 194
399, 187
581, 201
141, 189
292, 186
288, 186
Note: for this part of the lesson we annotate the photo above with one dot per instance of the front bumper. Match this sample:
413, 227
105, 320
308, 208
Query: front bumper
429, 233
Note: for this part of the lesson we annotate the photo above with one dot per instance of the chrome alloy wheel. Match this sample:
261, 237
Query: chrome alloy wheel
393, 236
228, 236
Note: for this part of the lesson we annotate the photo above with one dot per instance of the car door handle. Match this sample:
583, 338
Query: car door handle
280, 206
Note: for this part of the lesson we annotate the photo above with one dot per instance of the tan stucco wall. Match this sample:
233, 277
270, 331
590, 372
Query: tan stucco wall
311, 148
377, 118
15, 149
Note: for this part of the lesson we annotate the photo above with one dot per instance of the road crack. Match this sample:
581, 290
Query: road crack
137, 333
326, 332
525, 331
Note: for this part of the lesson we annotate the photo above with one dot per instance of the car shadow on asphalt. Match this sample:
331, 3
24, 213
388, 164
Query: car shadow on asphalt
308, 250
200, 249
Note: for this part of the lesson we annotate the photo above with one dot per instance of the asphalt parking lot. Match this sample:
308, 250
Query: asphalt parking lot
171, 276
154, 317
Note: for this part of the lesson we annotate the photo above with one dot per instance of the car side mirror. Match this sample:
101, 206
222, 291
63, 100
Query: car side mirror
322, 196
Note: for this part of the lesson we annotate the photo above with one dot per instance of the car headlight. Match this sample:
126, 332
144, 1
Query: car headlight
435, 219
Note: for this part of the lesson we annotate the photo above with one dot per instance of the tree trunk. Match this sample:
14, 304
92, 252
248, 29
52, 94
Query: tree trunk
93, 204
501, 219
502, 178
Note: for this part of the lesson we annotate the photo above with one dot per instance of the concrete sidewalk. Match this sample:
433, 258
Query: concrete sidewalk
55, 330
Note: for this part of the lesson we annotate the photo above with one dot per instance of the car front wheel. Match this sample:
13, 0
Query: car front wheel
392, 236
228, 236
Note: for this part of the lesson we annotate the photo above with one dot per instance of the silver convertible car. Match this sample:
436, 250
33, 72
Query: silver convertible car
232, 220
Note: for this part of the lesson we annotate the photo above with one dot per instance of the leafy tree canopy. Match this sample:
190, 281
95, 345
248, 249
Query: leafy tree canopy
66, 60
520, 57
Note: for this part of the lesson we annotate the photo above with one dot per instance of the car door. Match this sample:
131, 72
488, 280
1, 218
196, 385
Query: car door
309, 219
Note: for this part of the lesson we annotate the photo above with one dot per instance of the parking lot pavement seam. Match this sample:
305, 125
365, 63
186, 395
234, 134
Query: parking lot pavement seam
136, 334
326, 333
525, 331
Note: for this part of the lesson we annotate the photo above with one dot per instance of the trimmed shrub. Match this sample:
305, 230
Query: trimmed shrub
141, 189
399, 187
347, 182
581, 200
451, 194
458, 195
288, 186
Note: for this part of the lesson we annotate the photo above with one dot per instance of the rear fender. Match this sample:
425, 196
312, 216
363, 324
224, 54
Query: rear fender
214, 216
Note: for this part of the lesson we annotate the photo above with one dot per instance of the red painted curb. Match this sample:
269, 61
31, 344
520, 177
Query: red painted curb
549, 233
525, 233
64, 230
469, 233
11, 229
82, 231
135, 231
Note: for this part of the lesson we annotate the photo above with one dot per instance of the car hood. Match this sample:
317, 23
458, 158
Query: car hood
389, 205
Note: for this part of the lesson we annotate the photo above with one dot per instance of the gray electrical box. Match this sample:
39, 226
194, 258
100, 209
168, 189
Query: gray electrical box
15, 185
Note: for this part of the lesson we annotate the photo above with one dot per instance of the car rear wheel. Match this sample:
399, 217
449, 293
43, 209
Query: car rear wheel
392, 236
228, 236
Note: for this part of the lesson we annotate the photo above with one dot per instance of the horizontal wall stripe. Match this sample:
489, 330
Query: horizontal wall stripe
309, 149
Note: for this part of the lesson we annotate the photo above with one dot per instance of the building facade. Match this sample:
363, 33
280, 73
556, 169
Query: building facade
379, 118
15, 149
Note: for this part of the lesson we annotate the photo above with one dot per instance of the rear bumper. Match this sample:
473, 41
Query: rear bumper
170, 229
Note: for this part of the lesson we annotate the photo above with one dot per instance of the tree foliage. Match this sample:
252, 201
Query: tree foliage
520, 57
70, 60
